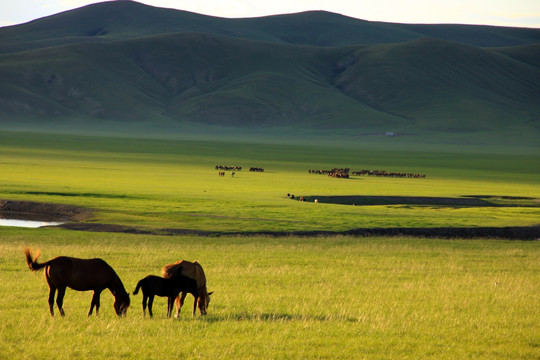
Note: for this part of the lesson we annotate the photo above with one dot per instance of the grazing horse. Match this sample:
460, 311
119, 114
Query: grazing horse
192, 270
170, 288
80, 275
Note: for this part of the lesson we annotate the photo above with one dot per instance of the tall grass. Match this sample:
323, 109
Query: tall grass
335, 298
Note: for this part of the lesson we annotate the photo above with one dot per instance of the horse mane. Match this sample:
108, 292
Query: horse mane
118, 286
200, 273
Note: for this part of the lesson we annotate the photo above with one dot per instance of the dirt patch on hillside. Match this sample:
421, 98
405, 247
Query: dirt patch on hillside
37, 211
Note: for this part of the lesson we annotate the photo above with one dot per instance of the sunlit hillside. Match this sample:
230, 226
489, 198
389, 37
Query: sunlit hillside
117, 65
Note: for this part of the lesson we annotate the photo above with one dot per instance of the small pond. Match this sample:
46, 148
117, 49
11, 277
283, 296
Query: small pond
30, 214
27, 223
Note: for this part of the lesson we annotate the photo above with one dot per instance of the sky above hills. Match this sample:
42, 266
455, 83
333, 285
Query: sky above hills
521, 13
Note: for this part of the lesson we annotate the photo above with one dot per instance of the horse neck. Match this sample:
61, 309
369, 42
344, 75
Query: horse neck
117, 288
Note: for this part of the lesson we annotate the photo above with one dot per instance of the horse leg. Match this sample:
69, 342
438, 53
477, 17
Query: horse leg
170, 302
60, 300
145, 298
95, 302
179, 303
52, 292
196, 299
150, 303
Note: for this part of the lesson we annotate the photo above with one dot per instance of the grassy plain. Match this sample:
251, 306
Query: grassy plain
158, 184
313, 298
318, 297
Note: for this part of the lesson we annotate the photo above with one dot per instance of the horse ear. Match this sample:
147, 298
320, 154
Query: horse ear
210, 293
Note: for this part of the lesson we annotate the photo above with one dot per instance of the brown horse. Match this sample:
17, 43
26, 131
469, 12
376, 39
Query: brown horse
80, 275
195, 271
154, 285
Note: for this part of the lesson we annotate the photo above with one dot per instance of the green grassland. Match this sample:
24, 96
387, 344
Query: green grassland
158, 184
312, 298
289, 297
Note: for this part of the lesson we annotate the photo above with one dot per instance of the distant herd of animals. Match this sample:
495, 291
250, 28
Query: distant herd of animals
344, 173
228, 168
339, 173
235, 168
179, 279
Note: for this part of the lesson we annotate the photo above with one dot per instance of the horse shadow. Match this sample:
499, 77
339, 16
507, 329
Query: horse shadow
273, 317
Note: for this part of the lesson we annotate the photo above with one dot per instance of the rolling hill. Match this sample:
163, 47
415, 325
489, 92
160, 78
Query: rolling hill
118, 63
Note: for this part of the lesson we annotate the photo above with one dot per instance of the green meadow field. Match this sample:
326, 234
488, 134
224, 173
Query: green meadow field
160, 184
315, 297
311, 298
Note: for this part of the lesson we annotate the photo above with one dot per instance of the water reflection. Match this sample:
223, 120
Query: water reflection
27, 223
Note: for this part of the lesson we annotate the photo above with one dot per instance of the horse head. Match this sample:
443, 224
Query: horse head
121, 304
204, 302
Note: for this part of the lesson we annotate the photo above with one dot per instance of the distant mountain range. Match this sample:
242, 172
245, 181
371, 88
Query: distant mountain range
123, 62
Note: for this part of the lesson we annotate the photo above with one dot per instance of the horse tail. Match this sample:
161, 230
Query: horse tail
139, 284
32, 261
